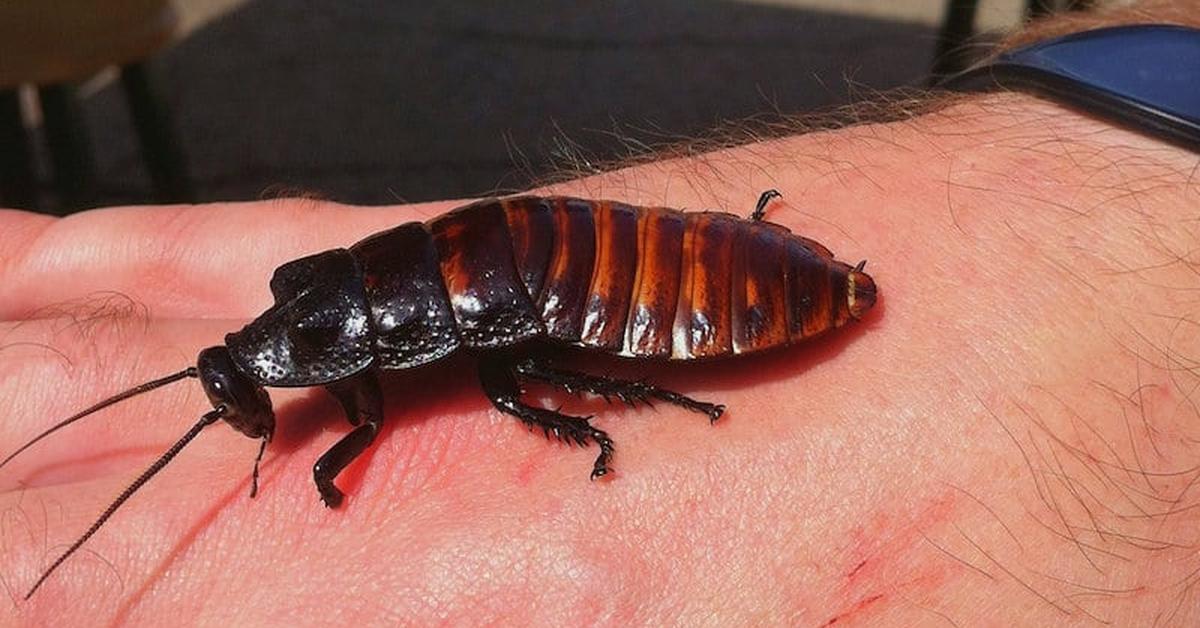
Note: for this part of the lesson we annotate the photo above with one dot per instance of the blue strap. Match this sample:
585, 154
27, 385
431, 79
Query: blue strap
1147, 76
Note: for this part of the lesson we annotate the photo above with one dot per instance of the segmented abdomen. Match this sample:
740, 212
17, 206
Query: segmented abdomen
636, 281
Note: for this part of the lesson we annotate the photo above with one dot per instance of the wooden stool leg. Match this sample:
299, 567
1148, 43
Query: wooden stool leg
70, 151
18, 183
160, 148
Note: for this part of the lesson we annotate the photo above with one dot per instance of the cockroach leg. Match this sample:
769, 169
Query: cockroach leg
760, 208
362, 399
500, 386
627, 391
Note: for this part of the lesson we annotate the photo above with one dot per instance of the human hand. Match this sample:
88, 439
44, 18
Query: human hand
1008, 437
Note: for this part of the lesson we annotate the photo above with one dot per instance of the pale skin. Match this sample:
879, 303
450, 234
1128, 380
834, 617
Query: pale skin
1009, 438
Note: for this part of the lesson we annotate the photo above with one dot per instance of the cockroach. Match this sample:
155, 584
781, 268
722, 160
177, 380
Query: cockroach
495, 278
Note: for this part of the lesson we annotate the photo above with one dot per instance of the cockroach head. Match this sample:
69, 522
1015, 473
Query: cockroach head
247, 405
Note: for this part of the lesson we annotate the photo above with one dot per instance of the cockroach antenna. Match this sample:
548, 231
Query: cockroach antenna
132, 392
208, 419
236, 399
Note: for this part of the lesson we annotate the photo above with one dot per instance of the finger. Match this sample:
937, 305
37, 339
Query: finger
52, 368
211, 261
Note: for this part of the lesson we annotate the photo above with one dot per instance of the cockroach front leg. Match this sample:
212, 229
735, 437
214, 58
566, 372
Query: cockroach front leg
362, 400
627, 391
500, 386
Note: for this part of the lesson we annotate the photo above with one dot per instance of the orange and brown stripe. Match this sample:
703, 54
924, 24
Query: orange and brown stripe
659, 283
607, 305
759, 299
703, 321
660, 235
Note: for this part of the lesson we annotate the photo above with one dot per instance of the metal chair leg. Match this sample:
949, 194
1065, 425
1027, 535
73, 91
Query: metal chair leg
70, 150
18, 182
160, 147
951, 55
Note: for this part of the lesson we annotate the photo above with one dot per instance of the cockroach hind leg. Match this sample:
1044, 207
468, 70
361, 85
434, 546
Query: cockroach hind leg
760, 208
500, 386
630, 392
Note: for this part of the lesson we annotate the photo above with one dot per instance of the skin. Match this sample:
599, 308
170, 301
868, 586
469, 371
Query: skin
1008, 438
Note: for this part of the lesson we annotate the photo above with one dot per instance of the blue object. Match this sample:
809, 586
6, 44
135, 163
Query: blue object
1147, 76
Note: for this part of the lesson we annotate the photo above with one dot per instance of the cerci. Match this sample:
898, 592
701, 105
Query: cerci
497, 278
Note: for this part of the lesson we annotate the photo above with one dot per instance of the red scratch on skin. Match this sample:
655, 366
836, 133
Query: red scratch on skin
850, 576
881, 557
886, 536
859, 607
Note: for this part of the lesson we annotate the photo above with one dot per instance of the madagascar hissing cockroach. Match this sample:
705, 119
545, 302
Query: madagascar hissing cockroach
495, 278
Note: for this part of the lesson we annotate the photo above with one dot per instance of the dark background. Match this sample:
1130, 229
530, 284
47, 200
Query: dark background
373, 102
421, 101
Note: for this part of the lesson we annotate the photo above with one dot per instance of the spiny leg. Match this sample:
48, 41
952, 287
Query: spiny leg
362, 399
500, 386
760, 208
627, 391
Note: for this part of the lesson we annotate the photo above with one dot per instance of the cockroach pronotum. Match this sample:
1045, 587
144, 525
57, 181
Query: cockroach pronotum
496, 278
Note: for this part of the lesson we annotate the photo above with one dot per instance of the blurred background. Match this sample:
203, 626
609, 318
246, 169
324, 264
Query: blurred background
139, 101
